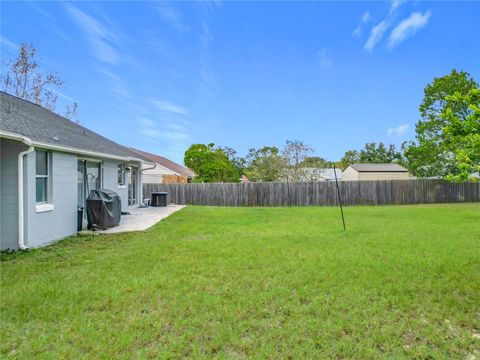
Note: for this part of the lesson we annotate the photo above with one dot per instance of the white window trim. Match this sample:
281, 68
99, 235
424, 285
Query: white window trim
44, 207
49, 188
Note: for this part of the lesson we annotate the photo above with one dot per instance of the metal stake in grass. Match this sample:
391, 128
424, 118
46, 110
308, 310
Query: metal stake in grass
339, 197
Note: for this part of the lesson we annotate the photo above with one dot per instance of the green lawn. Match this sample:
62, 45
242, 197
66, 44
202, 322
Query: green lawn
401, 282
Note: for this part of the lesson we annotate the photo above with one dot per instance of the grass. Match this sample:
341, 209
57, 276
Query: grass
401, 282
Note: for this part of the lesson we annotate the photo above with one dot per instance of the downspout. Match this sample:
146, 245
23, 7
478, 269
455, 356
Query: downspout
21, 225
141, 177
150, 168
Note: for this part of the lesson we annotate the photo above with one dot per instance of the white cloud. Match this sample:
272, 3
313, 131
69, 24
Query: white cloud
207, 72
146, 122
358, 31
408, 27
152, 133
176, 127
164, 105
171, 17
175, 134
399, 130
99, 37
8, 43
325, 59
365, 19
117, 84
376, 35
395, 5
62, 95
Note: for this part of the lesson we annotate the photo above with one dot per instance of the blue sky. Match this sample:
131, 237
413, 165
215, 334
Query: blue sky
160, 76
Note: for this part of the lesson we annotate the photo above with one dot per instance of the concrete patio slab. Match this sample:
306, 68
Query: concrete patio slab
141, 219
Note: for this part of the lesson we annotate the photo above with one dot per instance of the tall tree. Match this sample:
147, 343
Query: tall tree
294, 153
448, 124
462, 135
23, 78
264, 164
210, 163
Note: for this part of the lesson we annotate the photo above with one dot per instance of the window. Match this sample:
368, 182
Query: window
42, 174
121, 175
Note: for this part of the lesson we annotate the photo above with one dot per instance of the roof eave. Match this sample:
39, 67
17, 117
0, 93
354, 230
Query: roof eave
67, 149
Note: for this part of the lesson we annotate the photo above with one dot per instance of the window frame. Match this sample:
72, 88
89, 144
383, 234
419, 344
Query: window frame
47, 177
123, 168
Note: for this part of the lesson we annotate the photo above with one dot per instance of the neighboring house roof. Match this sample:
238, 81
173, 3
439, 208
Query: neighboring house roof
311, 174
327, 174
169, 164
43, 127
378, 168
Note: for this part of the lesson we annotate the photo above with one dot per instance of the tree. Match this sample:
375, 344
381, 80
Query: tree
379, 154
372, 153
350, 157
316, 162
447, 124
23, 79
72, 112
294, 153
211, 164
238, 162
462, 136
264, 164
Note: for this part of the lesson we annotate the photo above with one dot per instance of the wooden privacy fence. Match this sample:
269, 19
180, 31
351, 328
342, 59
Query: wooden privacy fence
381, 192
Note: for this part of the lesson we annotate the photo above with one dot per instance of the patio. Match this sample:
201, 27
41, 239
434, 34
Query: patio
141, 219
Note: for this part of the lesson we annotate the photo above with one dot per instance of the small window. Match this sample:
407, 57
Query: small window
121, 174
42, 176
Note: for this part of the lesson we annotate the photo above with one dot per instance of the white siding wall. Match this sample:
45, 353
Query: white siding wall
155, 176
110, 181
9, 151
45, 227
42, 228
149, 178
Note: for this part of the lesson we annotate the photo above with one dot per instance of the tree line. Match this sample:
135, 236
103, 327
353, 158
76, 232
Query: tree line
446, 144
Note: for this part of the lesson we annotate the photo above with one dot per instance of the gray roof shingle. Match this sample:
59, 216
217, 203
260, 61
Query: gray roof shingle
44, 126
378, 168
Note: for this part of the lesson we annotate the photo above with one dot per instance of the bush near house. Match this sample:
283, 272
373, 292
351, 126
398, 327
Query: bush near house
401, 282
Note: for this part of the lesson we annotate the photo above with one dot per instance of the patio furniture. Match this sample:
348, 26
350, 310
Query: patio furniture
159, 199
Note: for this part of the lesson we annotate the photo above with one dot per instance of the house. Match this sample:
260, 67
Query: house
306, 174
322, 174
165, 171
48, 166
244, 179
375, 172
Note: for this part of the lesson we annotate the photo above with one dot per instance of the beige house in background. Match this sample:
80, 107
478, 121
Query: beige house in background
375, 172
165, 170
